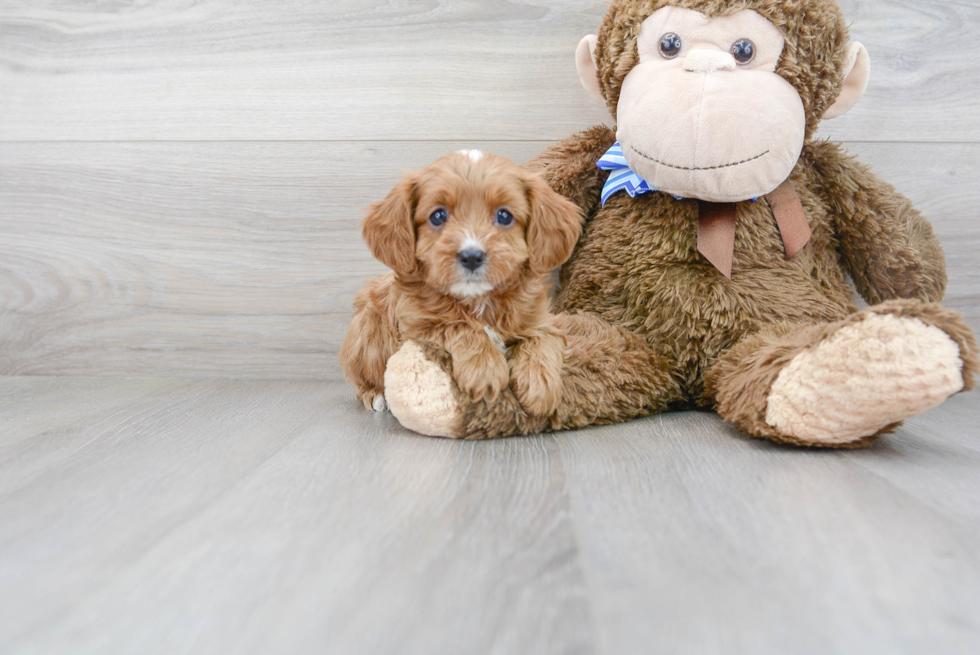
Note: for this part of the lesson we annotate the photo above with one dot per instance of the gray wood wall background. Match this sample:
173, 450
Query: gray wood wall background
181, 180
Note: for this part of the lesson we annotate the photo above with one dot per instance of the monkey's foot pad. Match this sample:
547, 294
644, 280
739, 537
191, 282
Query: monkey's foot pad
420, 394
864, 378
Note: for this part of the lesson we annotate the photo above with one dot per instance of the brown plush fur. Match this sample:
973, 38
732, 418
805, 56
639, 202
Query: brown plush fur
652, 325
642, 253
422, 299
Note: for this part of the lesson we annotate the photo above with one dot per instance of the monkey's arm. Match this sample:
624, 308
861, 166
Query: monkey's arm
569, 167
887, 247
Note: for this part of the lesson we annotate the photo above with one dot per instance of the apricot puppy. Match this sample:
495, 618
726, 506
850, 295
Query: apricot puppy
471, 240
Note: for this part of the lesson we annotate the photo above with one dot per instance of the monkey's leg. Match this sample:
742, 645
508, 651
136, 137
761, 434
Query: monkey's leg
843, 384
609, 375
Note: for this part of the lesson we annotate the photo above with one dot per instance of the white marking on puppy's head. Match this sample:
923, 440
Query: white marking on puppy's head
474, 155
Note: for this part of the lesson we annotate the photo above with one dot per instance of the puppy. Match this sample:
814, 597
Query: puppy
472, 240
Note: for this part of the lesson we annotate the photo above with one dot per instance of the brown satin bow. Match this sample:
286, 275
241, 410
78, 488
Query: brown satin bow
716, 227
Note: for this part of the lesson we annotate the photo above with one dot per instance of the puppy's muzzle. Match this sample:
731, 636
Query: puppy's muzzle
472, 260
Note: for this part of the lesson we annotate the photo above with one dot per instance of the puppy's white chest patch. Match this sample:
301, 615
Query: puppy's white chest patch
495, 338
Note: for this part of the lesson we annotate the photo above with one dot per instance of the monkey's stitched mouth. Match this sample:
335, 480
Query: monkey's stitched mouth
707, 168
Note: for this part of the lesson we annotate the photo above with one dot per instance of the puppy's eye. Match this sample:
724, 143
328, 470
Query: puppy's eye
439, 218
504, 217
743, 51
670, 45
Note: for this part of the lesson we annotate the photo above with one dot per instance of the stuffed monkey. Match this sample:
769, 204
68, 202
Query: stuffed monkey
719, 235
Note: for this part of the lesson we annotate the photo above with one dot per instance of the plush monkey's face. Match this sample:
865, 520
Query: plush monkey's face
703, 112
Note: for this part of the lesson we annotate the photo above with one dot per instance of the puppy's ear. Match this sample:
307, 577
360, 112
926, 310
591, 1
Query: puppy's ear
554, 226
389, 228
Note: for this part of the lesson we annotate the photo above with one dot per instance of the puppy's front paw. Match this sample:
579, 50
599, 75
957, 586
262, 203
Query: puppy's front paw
536, 374
374, 400
484, 376
537, 387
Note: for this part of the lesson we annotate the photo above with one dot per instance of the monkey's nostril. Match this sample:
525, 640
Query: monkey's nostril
472, 259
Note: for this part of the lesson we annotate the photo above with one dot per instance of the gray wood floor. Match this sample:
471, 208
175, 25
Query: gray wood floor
179, 516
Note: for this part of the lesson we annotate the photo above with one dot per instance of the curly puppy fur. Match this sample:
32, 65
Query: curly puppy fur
474, 315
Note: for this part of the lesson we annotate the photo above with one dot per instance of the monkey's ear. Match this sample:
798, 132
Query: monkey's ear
553, 228
857, 72
389, 228
587, 69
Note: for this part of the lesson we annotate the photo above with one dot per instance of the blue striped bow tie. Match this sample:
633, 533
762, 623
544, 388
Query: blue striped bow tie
621, 175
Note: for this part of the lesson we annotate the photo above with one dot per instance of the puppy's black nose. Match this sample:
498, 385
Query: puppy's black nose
472, 259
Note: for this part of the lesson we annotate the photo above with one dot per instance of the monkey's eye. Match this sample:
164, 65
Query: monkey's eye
743, 51
439, 217
504, 217
670, 45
